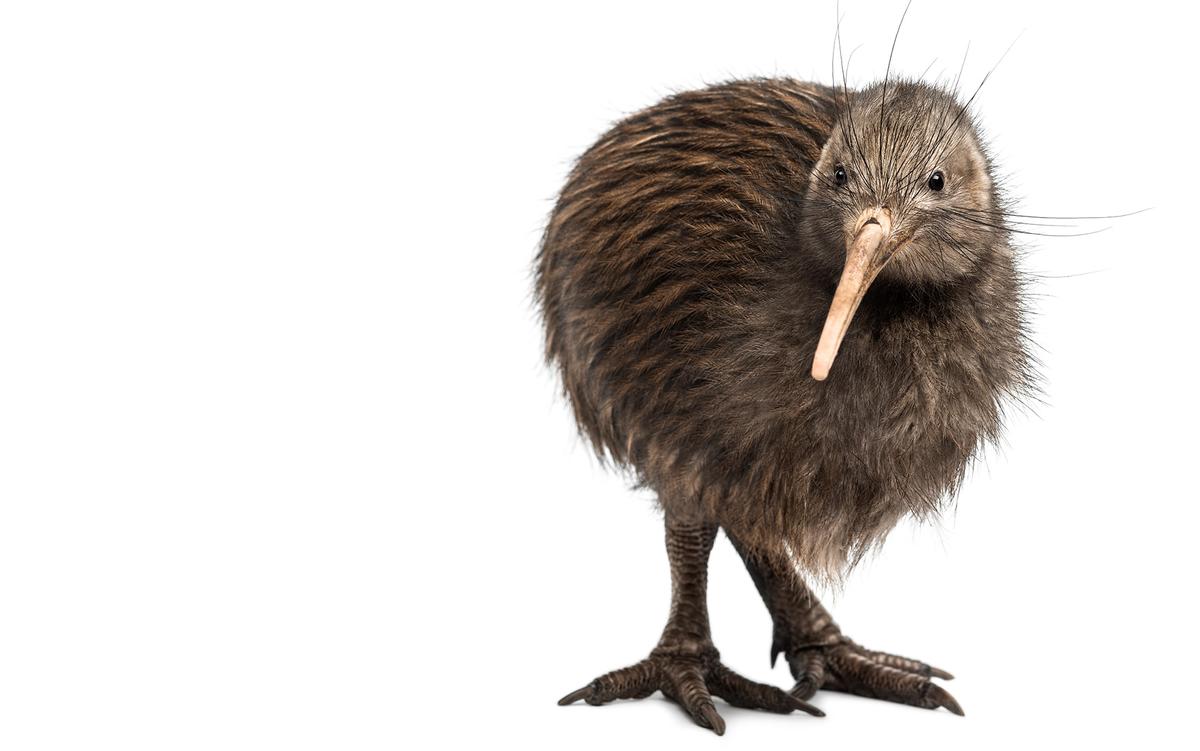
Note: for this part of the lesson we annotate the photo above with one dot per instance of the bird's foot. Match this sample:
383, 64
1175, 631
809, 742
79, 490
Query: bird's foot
847, 667
690, 678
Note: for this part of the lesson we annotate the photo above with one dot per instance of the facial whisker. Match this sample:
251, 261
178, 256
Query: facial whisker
1076, 218
887, 72
961, 66
973, 220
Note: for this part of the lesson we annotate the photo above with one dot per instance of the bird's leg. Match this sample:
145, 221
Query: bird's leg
820, 656
685, 665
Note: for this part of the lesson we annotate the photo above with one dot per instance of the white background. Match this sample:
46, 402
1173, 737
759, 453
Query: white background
280, 466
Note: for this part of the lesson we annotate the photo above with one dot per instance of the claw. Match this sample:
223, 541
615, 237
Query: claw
942, 698
939, 673
804, 689
715, 723
576, 695
804, 706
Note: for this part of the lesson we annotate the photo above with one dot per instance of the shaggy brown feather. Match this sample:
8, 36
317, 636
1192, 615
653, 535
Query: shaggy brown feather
685, 275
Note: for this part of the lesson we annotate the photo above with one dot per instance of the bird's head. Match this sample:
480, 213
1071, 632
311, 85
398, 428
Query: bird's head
903, 191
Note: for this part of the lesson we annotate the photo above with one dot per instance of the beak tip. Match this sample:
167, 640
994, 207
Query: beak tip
820, 371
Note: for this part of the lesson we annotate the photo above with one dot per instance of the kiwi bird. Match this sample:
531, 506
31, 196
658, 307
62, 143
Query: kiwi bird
795, 313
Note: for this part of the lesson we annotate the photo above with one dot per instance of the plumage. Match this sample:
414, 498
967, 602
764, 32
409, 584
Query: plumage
684, 276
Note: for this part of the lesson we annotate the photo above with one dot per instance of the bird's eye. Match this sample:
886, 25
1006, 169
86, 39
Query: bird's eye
937, 180
839, 175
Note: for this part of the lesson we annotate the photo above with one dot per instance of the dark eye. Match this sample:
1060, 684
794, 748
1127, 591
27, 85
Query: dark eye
937, 180
839, 175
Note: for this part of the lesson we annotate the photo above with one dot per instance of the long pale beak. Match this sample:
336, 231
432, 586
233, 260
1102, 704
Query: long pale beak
864, 258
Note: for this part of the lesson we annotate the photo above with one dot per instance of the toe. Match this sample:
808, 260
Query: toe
634, 682
857, 673
685, 684
907, 664
805, 688
808, 668
743, 692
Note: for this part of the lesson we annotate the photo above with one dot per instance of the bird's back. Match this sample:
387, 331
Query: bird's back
668, 229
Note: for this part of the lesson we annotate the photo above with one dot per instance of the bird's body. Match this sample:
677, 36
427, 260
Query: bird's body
683, 311
685, 277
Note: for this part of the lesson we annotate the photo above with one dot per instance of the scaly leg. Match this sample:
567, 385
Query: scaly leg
821, 657
685, 666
